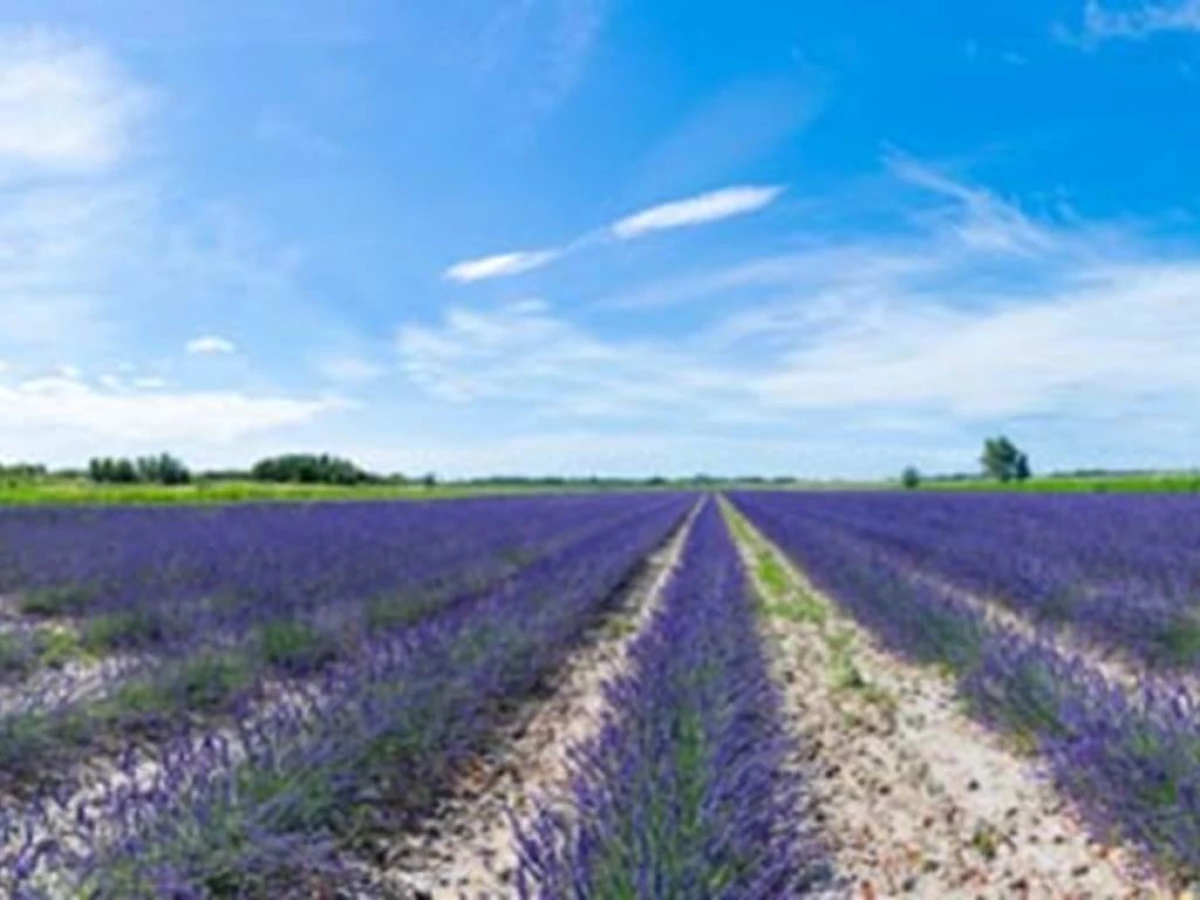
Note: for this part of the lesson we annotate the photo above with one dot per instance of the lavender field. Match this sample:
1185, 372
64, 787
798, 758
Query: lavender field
602, 696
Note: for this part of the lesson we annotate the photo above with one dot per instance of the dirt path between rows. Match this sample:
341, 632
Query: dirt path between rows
916, 799
467, 849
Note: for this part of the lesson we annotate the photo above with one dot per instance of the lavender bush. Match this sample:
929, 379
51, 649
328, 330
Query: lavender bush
300, 608
1122, 570
221, 570
684, 793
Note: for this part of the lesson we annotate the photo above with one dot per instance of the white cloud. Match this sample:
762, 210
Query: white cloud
980, 220
699, 210
976, 313
92, 238
350, 369
1101, 23
1118, 335
210, 345
524, 352
179, 417
500, 265
65, 106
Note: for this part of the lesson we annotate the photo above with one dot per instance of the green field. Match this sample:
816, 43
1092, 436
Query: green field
1152, 482
79, 492
74, 491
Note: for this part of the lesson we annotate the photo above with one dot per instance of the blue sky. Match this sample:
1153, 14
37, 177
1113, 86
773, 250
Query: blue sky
599, 236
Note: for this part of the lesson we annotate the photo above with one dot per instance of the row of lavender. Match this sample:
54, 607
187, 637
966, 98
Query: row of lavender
684, 792
221, 570
218, 666
285, 800
1131, 762
1122, 570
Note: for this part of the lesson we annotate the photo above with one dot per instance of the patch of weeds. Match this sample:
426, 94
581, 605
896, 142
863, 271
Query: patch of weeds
771, 573
1177, 644
295, 648
141, 703
66, 600
619, 627
18, 656
33, 743
206, 683
799, 608
55, 647
211, 679
986, 840
128, 630
25, 739
880, 697
844, 674
780, 598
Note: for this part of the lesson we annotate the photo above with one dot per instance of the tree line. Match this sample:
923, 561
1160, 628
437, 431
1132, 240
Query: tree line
295, 468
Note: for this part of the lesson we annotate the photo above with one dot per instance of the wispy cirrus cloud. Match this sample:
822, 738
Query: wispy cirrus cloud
701, 209
980, 219
1073, 321
526, 352
500, 265
1103, 23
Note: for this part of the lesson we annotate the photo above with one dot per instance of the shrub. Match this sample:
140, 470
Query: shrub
70, 600
295, 648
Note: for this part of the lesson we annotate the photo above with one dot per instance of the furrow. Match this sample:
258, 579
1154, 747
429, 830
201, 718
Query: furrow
916, 797
468, 847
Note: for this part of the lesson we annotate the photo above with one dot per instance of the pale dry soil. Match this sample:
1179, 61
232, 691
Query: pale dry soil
914, 797
468, 848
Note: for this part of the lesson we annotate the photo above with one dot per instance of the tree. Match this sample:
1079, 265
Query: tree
1003, 461
910, 477
161, 469
1021, 470
308, 468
